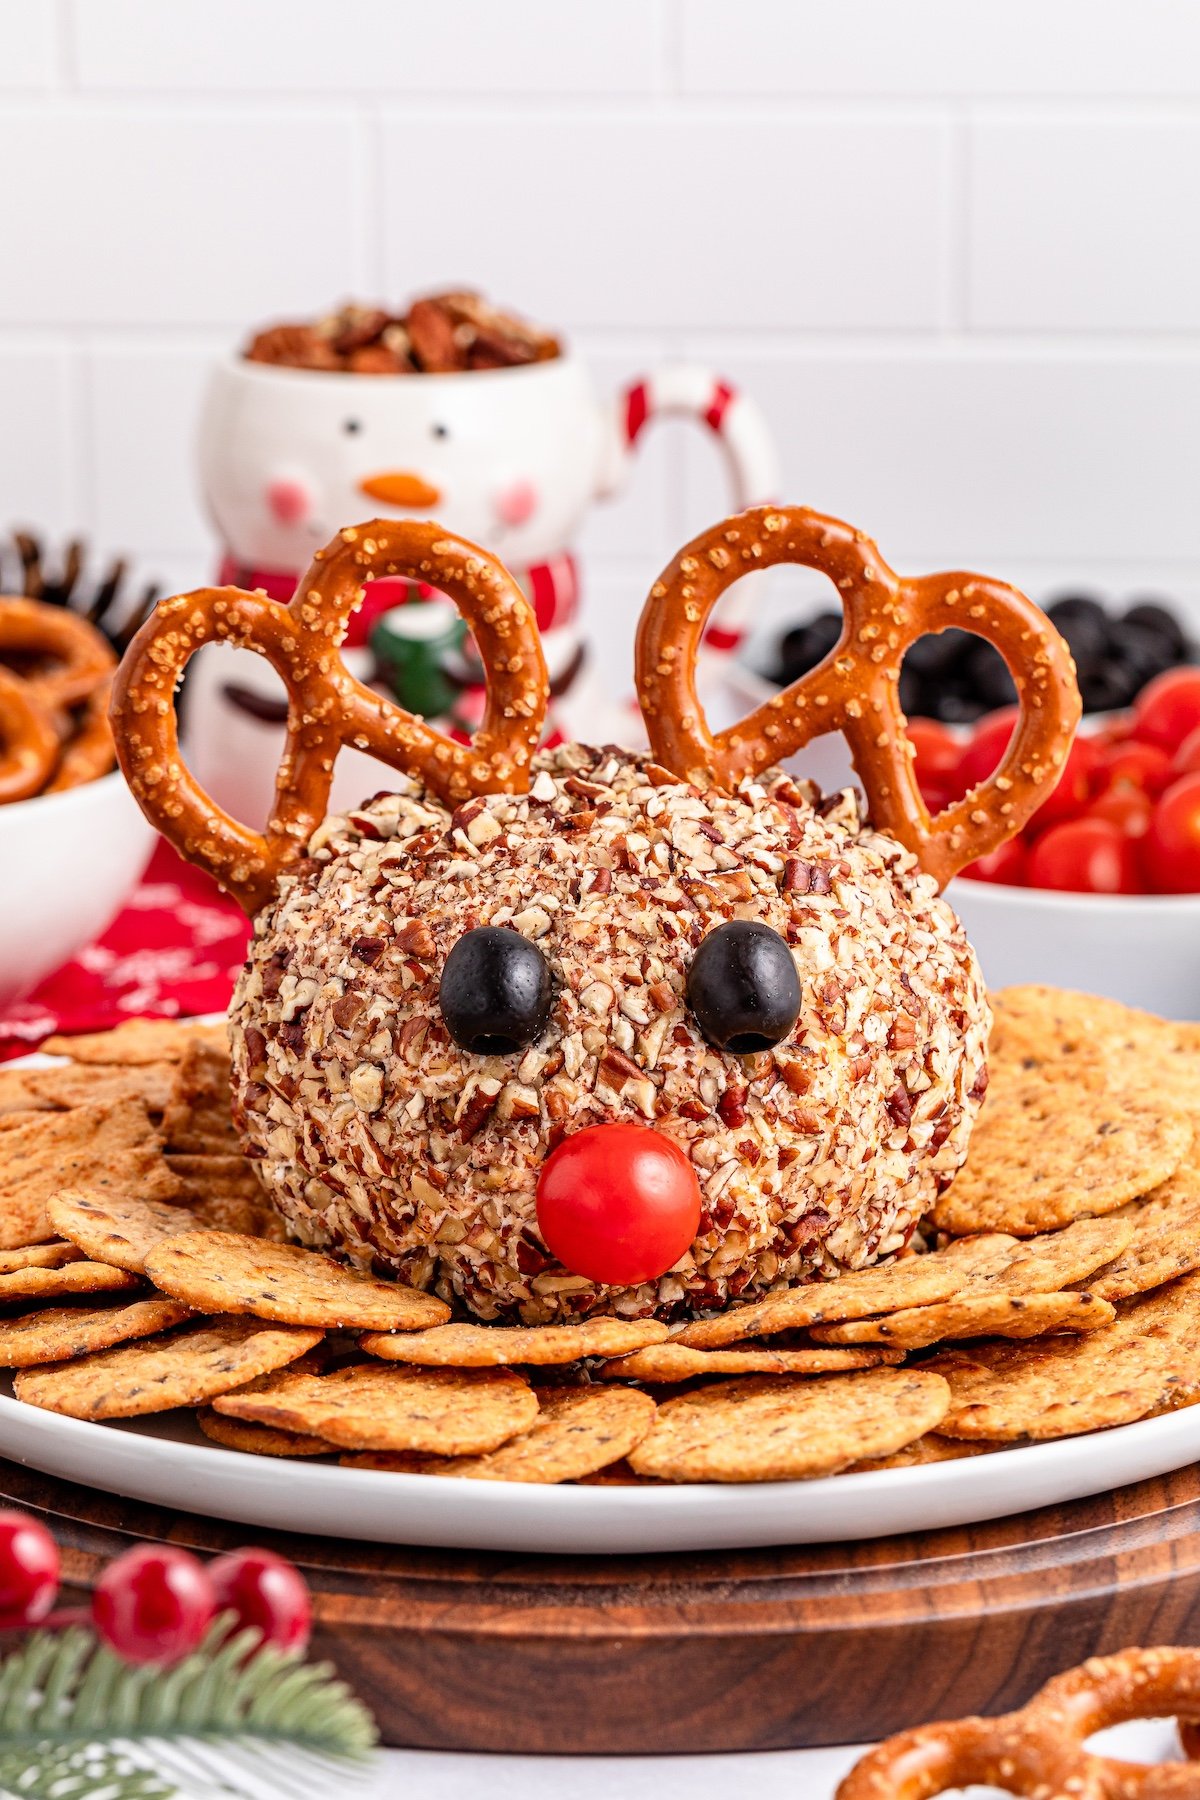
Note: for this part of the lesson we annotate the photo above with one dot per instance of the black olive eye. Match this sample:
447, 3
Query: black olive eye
743, 987
495, 991
441, 431
352, 425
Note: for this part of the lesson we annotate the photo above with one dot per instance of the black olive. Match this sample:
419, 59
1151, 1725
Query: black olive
495, 991
743, 987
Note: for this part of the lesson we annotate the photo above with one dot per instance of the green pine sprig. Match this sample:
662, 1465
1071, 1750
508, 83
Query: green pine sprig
78, 1723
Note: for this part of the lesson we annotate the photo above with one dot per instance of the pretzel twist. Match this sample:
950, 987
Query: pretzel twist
327, 707
855, 690
28, 740
69, 658
90, 753
1040, 1751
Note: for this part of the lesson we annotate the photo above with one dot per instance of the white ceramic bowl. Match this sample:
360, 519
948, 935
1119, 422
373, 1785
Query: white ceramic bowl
67, 861
1142, 949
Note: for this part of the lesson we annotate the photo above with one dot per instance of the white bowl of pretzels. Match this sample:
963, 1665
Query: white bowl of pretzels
72, 841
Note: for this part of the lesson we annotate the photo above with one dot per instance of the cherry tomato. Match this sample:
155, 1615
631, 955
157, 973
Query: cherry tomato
1085, 856
1172, 845
1168, 708
1186, 760
28, 1569
1006, 866
1128, 808
618, 1203
266, 1592
986, 747
153, 1605
938, 754
1136, 765
1071, 792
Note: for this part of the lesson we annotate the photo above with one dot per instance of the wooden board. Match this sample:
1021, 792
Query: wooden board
748, 1650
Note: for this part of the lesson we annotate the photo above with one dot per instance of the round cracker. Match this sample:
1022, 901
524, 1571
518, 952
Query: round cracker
789, 1428
491, 1346
258, 1440
975, 1315
186, 1368
222, 1272
1053, 1145
576, 1432
913, 1281
69, 1278
1053, 1387
39, 1256
1164, 1238
117, 1228
61, 1333
384, 1406
676, 1362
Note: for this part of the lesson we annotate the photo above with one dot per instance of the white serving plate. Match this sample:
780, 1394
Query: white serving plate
165, 1459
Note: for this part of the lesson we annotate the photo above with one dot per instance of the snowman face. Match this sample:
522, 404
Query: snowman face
508, 458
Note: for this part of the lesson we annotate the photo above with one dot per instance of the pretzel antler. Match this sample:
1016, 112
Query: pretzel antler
855, 690
1041, 1751
327, 707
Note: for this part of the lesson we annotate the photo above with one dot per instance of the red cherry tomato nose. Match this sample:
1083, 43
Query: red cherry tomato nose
618, 1204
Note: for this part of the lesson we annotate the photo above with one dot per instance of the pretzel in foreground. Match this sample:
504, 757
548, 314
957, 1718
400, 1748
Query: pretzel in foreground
1040, 1751
855, 690
327, 707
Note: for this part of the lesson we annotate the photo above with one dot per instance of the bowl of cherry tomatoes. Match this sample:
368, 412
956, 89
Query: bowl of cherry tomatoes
1101, 891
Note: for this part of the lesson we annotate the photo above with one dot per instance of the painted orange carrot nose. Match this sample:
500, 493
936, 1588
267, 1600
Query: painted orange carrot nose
397, 487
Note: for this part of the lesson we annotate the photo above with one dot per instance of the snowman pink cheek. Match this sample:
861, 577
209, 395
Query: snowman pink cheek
517, 503
288, 501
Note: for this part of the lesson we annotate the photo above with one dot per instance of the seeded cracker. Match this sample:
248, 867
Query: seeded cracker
1053, 1387
61, 1333
69, 1278
258, 1440
218, 1174
915, 1281
185, 1368
485, 1346
39, 1256
74, 1085
452, 1412
198, 1117
116, 1228
932, 1448
1166, 1237
788, 1428
108, 1147
975, 1315
220, 1272
1052, 1146
137, 1041
577, 1432
675, 1362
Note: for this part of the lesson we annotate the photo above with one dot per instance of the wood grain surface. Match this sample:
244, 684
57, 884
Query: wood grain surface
746, 1650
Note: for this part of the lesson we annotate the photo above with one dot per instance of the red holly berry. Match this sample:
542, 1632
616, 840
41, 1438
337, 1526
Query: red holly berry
29, 1569
154, 1604
265, 1592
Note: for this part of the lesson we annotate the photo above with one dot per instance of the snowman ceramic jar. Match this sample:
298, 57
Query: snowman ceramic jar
509, 457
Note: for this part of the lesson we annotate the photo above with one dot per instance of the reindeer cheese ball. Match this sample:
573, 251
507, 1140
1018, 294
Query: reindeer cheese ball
594, 1031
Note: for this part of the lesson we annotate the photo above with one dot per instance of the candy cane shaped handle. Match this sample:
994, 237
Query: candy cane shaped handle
688, 391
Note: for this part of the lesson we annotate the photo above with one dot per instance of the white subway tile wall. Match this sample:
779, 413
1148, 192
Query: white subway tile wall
951, 249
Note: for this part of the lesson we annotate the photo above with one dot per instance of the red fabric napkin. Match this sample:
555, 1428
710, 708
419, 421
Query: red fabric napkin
174, 951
